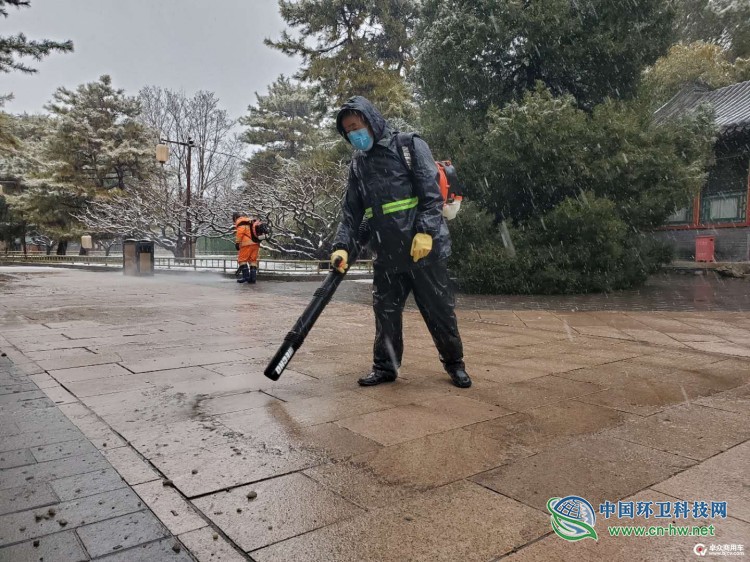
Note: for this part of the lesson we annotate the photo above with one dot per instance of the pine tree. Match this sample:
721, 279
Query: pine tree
353, 47
8, 142
18, 46
286, 120
98, 142
473, 54
722, 22
35, 204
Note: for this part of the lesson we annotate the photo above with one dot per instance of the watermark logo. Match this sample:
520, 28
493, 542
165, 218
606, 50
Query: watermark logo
719, 549
572, 518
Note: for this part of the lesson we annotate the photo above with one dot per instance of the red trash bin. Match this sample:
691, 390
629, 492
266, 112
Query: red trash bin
704, 248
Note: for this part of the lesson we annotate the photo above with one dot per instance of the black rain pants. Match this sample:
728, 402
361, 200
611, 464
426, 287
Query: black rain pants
435, 300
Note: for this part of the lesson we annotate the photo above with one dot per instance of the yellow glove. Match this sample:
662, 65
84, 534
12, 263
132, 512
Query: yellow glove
343, 264
421, 246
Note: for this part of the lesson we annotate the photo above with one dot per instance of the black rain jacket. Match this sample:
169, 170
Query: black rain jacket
380, 177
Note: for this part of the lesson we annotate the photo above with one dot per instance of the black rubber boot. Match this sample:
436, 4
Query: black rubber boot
460, 378
376, 377
245, 272
253, 274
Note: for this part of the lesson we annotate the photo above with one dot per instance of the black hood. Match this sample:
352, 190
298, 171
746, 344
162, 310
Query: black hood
372, 115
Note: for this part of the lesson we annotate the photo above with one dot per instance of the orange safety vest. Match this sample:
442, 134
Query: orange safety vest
246, 238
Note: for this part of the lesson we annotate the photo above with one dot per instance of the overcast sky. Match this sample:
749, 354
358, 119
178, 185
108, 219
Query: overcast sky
188, 45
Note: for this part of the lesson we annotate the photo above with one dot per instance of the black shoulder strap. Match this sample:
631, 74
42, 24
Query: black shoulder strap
355, 169
405, 148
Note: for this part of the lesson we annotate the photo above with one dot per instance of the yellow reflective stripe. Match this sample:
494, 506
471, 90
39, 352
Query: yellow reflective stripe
401, 205
394, 206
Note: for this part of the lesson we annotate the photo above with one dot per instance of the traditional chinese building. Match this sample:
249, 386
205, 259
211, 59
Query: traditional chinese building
722, 209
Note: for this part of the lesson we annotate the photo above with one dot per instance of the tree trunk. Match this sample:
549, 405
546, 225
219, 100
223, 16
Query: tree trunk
23, 239
179, 249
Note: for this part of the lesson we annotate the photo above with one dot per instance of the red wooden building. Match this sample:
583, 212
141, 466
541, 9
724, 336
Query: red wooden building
722, 210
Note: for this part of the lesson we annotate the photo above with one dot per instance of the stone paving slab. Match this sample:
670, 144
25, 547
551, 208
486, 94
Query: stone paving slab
457, 522
694, 432
643, 396
87, 484
130, 465
234, 403
100, 434
177, 361
38, 440
607, 405
76, 374
432, 461
8, 426
597, 468
322, 409
51, 470
18, 457
119, 533
15, 387
165, 549
59, 498
547, 426
63, 450
26, 497
60, 546
412, 421
82, 360
179, 436
23, 525
201, 471
736, 400
283, 507
174, 511
57, 353
25, 406
136, 410
14, 397
59, 395
206, 544
723, 476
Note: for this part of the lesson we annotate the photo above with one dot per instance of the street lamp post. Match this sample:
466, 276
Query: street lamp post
162, 155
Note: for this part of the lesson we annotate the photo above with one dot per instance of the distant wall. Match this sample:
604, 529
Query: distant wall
731, 244
214, 246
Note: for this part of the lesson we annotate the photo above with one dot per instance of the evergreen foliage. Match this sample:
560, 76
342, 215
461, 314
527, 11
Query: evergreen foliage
353, 47
15, 47
699, 62
725, 23
98, 142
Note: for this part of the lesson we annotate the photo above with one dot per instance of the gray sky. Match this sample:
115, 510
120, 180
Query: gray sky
188, 45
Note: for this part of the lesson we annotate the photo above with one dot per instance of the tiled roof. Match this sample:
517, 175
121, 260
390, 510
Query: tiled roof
731, 105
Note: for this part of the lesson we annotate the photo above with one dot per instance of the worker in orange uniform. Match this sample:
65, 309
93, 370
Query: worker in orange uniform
248, 234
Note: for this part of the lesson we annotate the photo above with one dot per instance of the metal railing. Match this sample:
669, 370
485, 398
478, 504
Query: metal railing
225, 265
17, 257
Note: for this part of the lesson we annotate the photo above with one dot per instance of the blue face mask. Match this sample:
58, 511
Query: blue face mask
361, 139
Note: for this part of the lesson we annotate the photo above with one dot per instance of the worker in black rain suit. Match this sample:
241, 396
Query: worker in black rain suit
409, 237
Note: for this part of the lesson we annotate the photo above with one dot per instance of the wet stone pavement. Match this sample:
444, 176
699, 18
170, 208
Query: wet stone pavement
60, 498
139, 410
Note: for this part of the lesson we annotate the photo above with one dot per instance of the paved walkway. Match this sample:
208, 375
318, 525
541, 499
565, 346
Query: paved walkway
60, 498
610, 406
